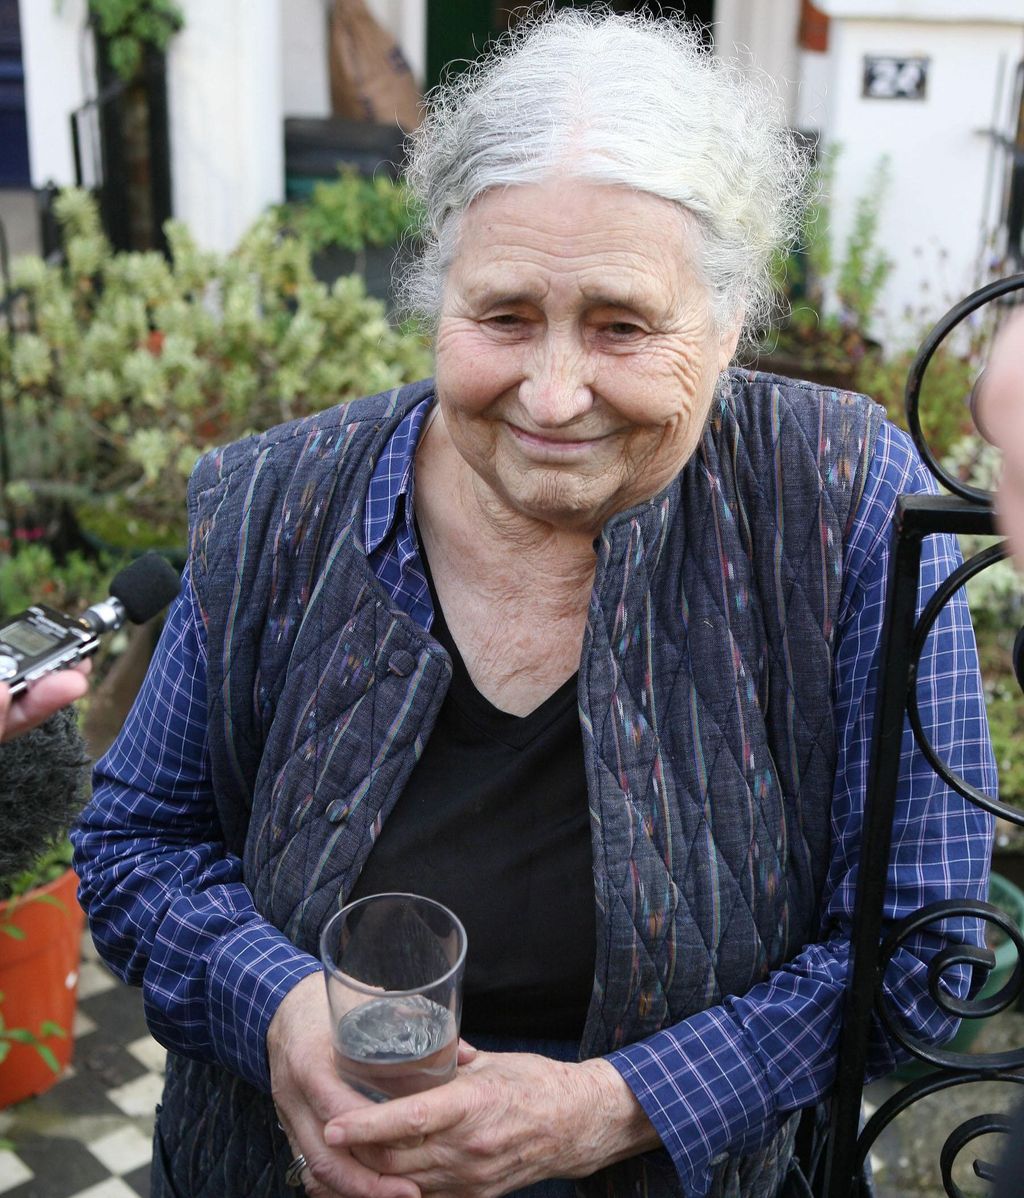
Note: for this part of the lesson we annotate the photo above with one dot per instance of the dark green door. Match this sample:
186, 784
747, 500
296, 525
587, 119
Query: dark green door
457, 30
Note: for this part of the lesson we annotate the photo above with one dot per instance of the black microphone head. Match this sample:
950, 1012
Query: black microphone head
145, 586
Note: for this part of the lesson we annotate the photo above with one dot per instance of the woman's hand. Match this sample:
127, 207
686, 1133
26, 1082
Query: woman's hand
307, 1093
505, 1121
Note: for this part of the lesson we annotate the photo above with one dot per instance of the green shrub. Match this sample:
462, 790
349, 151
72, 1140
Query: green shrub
353, 212
943, 406
996, 597
834, 337
34, 575
128, 26
126, 366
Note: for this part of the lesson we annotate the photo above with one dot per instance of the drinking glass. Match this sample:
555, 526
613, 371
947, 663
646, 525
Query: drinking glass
394, 965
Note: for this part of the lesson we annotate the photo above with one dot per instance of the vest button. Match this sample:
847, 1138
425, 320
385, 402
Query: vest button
402, 663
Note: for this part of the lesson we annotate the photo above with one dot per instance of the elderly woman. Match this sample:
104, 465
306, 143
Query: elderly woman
578, 639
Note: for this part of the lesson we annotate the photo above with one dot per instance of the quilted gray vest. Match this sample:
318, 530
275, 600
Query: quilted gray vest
705, 693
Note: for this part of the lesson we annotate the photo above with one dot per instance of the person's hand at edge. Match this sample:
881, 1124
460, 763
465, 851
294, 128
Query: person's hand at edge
1001, 421
42, 698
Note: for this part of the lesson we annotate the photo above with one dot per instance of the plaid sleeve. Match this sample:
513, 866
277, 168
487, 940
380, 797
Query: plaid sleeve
724, 1079
166, 904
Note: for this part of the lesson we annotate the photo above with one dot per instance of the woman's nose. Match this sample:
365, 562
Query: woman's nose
557, 386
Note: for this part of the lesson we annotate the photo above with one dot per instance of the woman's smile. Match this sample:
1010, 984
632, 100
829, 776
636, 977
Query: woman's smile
553, 446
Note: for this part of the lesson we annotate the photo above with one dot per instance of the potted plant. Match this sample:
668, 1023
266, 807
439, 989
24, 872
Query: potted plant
128, 28
132, 37
40, 937
354, 224
41, 787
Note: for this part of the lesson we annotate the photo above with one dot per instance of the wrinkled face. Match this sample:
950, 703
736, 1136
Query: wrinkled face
576, 355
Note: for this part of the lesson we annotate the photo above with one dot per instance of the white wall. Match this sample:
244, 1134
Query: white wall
57, 54
1008, 11
933, 215
224, 83
765, 34
306, 85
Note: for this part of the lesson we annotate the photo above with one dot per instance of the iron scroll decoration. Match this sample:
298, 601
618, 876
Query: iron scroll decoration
839, 1166
915, 377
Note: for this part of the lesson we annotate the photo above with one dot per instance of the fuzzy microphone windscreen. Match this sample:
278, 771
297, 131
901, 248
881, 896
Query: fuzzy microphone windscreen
145, 586
43, 786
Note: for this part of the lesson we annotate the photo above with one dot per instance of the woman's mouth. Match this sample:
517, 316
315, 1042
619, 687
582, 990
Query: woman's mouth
554, 445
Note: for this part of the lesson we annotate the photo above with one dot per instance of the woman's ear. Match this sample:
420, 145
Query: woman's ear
728, 339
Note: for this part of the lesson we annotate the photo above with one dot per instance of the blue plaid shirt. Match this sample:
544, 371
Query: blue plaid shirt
213, 971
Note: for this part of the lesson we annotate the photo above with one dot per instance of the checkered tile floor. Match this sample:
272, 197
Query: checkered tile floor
89, 1136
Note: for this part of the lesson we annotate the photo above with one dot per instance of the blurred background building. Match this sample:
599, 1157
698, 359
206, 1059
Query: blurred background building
932, 86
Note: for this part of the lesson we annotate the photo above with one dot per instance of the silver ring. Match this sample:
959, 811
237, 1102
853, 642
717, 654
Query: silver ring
293, 1174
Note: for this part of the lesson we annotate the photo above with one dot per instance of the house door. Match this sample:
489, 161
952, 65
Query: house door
457, 30
14, 166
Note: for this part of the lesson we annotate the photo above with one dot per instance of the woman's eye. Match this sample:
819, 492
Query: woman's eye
504, 320
623, 330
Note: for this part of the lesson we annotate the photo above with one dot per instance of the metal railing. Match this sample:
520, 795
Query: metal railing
967, 510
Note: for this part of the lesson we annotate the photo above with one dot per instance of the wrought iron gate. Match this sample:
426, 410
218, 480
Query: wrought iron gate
838, 1170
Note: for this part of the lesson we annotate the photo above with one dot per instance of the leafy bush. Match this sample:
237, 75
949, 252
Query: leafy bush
125, 366
834, 337
34, 575
128, 26
944, 398
353, 212
996, 598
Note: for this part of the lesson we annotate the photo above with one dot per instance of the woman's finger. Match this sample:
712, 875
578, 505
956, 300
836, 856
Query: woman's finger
400, 1121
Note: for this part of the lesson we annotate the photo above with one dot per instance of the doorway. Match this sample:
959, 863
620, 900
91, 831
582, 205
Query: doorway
458, 30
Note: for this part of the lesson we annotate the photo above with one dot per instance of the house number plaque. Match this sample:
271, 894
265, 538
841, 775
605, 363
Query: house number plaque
889, 78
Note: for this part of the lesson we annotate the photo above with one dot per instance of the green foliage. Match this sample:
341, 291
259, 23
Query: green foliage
834, 338
48, 867
34, 575
128, 26
1006, 727
132, 365
22, 1035
864, 267
997, 607
945, 390
996, 597
353, 212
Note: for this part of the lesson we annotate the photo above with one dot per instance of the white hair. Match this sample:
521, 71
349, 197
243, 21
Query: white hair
633, 100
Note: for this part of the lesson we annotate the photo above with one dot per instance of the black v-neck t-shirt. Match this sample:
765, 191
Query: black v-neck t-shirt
494, 823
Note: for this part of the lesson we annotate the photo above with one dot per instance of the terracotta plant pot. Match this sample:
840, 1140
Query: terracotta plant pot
39, 982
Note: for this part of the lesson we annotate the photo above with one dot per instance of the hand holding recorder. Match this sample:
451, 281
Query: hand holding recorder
44, 652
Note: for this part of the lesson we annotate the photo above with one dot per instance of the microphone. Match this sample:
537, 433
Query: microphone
137, 593
38, 641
